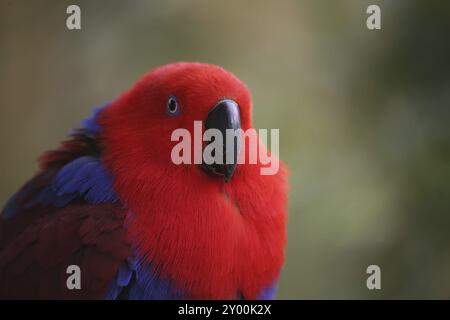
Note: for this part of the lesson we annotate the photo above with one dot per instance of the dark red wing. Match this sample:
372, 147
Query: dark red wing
34, 258
66, 215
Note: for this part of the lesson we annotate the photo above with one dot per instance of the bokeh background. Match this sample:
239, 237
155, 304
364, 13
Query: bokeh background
363, 116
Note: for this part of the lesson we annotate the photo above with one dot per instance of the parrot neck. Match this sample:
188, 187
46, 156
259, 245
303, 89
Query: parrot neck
214, 240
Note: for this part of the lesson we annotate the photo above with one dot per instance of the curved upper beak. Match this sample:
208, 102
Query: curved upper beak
225, 117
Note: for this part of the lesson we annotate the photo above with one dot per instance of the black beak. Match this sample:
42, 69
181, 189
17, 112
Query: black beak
225, 115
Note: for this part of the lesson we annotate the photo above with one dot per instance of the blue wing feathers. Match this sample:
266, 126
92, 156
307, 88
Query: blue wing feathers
124, 275
87, 178
91, 124
268, 293
84, 178
142, 282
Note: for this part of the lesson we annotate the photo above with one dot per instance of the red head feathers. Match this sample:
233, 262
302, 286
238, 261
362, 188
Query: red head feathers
211, 238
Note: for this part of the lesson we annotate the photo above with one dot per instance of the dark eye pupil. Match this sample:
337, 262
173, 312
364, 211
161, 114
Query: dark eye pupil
172, 105
172, 108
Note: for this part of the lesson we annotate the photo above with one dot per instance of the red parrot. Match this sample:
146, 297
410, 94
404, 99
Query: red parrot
111, 201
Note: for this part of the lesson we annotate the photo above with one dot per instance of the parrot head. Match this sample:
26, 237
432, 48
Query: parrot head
173, 97
213, 228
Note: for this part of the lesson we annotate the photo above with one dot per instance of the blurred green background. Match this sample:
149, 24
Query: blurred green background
363, 116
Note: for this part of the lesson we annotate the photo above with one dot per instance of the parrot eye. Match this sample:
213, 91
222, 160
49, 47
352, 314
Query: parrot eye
173, 108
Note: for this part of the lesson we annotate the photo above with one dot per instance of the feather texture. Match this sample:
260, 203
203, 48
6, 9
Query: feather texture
110, 200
